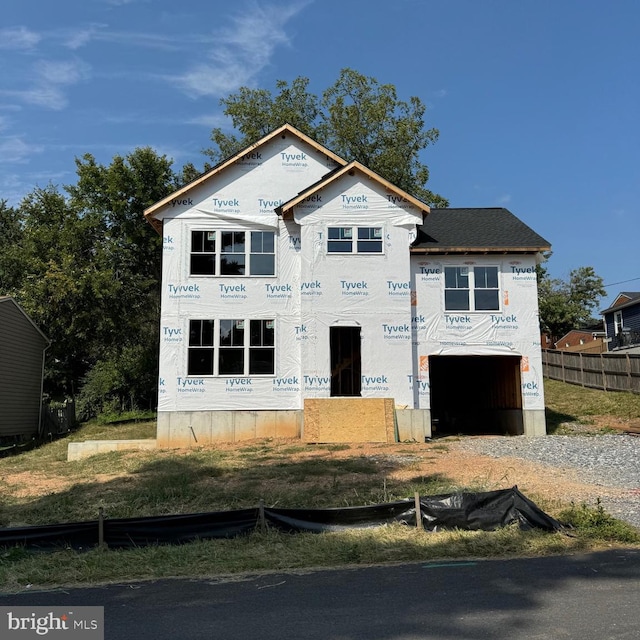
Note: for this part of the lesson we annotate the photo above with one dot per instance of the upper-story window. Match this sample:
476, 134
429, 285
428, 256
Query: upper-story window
354, 240
232, 253
471, 289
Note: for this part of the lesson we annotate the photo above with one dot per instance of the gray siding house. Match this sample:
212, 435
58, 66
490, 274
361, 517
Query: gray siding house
22, 348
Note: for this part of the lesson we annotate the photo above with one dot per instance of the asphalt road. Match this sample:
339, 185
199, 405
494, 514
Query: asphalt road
587, 597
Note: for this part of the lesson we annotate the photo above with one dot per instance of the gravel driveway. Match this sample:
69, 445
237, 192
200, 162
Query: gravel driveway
606, 461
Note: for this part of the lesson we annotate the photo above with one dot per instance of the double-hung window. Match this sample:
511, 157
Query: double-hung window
232, 253
471, 289
354, 240
201, 348
231, 347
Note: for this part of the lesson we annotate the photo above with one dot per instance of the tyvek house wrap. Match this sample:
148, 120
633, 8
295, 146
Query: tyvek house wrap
370, 291
312, 292
513, 330
396, 299
243, 197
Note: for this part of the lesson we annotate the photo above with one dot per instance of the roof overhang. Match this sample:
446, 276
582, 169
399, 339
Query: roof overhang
479, 250
286, 209
282, 131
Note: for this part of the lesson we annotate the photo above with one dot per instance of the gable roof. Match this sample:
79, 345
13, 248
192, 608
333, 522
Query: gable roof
286, 209
285, 129
623, 299
581, 333
478, 230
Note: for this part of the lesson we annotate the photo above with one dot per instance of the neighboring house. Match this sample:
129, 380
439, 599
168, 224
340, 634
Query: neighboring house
22, 349
583, 341
622, 322
291, 277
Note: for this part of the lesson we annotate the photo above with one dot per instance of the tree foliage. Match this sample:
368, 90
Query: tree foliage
357, 118
570, 304
86, 268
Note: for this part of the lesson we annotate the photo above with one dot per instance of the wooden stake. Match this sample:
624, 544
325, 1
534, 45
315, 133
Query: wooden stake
101, 527
418, 512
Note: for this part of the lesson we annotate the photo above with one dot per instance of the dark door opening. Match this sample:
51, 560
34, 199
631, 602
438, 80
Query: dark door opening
476, 395
344, 343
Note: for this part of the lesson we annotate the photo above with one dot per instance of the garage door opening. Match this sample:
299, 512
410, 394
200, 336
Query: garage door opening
475, 395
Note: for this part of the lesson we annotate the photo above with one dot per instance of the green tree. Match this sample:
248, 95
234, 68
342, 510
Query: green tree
357, 118
62, 283
123, 370
89, 276
566, 305
11, 230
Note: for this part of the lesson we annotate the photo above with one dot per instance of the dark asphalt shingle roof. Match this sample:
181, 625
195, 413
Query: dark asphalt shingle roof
634, 298
497, 229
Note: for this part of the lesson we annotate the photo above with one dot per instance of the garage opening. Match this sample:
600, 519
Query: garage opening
475, 395
346, 367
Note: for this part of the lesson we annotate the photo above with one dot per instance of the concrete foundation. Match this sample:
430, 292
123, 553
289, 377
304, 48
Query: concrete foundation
80, 450
535, 423
178, 429
414, 425
323, 420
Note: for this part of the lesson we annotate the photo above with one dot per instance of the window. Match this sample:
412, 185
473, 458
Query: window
618, 324
341, 240
263, 256
232, 253
203, 253
232, 350
486, 291
225, 253
471, 289
369, 239
200, 360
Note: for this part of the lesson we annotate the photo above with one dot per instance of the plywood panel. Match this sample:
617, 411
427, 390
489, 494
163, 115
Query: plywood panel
349, 420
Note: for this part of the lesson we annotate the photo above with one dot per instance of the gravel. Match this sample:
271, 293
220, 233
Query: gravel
606, 461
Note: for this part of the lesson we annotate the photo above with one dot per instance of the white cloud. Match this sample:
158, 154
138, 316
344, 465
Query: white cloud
241, 51
18, 38
14, 149
211, 121
50, 78
76, 38
120, 3
504, 199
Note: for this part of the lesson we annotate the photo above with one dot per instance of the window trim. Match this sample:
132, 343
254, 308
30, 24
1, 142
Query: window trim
355, 240
471, 289
247, 347
219, 255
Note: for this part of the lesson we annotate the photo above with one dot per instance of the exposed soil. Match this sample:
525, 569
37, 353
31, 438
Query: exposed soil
400, 461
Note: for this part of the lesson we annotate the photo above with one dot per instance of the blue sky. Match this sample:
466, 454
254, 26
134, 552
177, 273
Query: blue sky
537, 101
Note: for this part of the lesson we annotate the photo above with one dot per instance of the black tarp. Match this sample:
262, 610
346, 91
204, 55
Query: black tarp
337, 519
485, 511
178, 529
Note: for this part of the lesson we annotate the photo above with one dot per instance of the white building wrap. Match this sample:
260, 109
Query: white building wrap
393, 299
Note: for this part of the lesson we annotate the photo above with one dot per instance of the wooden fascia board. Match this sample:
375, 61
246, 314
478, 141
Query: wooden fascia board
286, 210
286, 128
479, 250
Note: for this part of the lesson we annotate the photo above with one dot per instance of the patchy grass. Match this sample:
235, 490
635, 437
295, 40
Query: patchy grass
568, 405
41, 487
594, 523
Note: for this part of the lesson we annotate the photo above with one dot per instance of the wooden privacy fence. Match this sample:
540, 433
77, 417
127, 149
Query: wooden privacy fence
607, 371
59, 419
